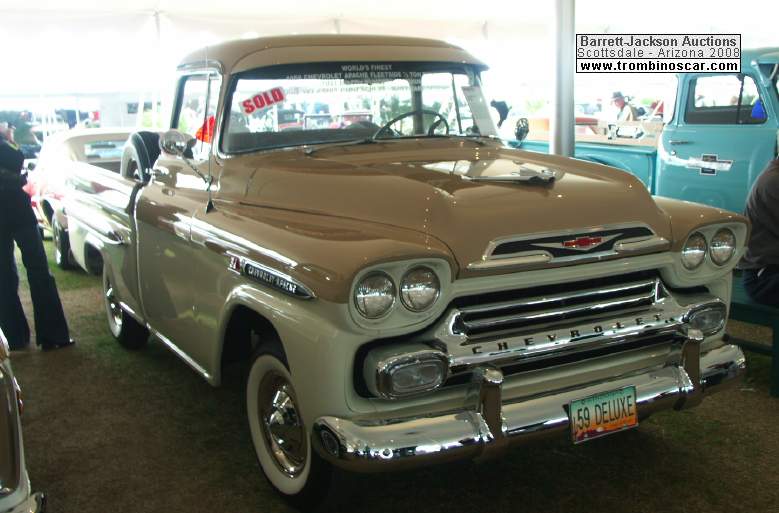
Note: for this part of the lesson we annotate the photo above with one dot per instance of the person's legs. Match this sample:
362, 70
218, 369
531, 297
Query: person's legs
764, 288
51, 329
12, 319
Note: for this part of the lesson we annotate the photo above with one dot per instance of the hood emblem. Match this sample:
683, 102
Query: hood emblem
584, 243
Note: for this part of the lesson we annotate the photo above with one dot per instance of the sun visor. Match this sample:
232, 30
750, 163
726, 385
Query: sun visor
354, 53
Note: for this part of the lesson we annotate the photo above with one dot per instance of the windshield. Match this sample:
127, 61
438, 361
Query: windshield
102, 150
320, 103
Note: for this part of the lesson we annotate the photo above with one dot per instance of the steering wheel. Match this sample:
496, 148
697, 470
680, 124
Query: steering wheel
430, 131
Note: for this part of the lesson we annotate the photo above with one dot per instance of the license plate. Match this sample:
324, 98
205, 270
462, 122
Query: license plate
603, 414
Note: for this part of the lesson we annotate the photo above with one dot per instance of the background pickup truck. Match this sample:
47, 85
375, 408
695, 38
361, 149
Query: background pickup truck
721, 132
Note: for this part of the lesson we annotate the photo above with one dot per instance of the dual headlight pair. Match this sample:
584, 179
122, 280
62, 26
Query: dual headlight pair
376, 293
720, 248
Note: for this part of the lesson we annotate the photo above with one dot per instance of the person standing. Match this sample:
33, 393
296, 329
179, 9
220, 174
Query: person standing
626, 111
761, 260
18, 225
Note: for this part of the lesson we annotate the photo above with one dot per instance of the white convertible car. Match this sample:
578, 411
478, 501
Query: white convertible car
63, 154
15, 492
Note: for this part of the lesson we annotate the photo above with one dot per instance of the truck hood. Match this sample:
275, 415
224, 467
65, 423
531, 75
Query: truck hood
463, 194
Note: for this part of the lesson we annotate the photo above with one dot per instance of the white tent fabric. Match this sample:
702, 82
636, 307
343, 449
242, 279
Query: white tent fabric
109, 46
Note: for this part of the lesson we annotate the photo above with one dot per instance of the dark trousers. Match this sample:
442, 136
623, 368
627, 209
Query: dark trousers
764, 288
50, 325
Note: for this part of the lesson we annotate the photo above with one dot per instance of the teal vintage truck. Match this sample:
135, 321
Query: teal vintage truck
721, 131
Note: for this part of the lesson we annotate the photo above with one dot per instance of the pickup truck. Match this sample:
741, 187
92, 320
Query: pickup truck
405, 289
722, 130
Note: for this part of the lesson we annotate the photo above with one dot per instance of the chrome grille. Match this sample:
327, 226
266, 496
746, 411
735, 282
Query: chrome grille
559, 305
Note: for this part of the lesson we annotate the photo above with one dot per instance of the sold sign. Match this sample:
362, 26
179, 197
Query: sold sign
263, 100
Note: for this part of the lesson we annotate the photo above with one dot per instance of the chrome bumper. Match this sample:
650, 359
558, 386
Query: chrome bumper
492, 425
35, 503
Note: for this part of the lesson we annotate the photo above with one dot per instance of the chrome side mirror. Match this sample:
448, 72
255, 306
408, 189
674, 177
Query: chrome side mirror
522, 129
177, 143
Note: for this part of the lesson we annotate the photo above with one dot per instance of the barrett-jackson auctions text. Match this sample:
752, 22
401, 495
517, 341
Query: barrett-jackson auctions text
658, 53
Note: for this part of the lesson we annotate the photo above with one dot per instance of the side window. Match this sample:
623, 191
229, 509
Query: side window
197, 111
724, 100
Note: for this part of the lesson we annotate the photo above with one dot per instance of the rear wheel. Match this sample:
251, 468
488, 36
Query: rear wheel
62, 256
281, 438
126, 330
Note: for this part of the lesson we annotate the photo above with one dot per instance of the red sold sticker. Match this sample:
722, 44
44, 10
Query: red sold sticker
263, 100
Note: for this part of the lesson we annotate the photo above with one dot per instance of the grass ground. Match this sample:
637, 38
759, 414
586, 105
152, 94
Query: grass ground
111, 430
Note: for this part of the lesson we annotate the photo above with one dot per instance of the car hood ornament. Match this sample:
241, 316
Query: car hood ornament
526, 173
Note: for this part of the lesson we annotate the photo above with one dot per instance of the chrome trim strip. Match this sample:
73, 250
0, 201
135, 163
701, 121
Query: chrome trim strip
641, 244
593, 306
540, 300
132, 313
181, 354
535, 258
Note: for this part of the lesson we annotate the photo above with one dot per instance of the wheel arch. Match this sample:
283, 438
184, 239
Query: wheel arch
246, 325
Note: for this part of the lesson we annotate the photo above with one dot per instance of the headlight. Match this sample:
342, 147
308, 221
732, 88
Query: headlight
723, 246
419, 289
709, 318
392, 373
694, 251
374, 295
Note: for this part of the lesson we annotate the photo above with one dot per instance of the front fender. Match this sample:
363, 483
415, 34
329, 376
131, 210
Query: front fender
316, 338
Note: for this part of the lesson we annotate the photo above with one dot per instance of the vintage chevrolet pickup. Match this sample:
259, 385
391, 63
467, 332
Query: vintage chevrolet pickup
405, 289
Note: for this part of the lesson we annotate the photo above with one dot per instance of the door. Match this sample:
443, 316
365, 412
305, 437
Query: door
719, 142
178, 188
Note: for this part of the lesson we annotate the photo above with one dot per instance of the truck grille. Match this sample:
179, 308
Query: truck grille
495, 314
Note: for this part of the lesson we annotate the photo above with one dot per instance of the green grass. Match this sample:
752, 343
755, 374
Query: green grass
66, 280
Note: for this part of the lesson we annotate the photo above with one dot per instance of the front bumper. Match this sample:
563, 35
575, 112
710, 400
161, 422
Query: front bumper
492, 425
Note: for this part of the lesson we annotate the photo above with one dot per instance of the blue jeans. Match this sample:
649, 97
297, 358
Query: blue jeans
764, 288
50, 325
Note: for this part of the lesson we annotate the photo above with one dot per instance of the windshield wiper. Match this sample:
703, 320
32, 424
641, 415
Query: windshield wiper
367, 140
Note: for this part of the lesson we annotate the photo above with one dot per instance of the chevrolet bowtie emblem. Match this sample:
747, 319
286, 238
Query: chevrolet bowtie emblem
580, 243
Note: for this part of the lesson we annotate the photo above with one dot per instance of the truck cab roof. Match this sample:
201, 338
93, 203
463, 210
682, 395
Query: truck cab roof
244, 54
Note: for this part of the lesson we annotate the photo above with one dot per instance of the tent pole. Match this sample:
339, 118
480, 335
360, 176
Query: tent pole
561, 135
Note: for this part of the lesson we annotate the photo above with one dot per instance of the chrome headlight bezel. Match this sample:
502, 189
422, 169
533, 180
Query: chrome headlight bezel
382, 367
697, 238
400, 317
362, 307
405, 291
715, 245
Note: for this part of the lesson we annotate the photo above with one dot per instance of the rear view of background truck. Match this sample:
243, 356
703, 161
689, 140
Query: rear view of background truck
722, 129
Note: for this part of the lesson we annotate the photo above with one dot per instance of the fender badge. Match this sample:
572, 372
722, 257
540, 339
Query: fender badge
709, 164
267, 276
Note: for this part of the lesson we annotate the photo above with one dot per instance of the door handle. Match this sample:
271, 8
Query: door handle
676, 142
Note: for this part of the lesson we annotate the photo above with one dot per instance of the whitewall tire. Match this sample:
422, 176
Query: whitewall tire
281, 439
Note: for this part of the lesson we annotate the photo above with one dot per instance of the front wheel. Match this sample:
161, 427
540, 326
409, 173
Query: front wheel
126, 330
280, 437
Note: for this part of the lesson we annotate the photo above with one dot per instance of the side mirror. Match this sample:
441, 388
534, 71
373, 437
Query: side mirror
522, 129
177, 143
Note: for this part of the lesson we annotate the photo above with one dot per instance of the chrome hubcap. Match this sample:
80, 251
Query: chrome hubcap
114, 309
282, 427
